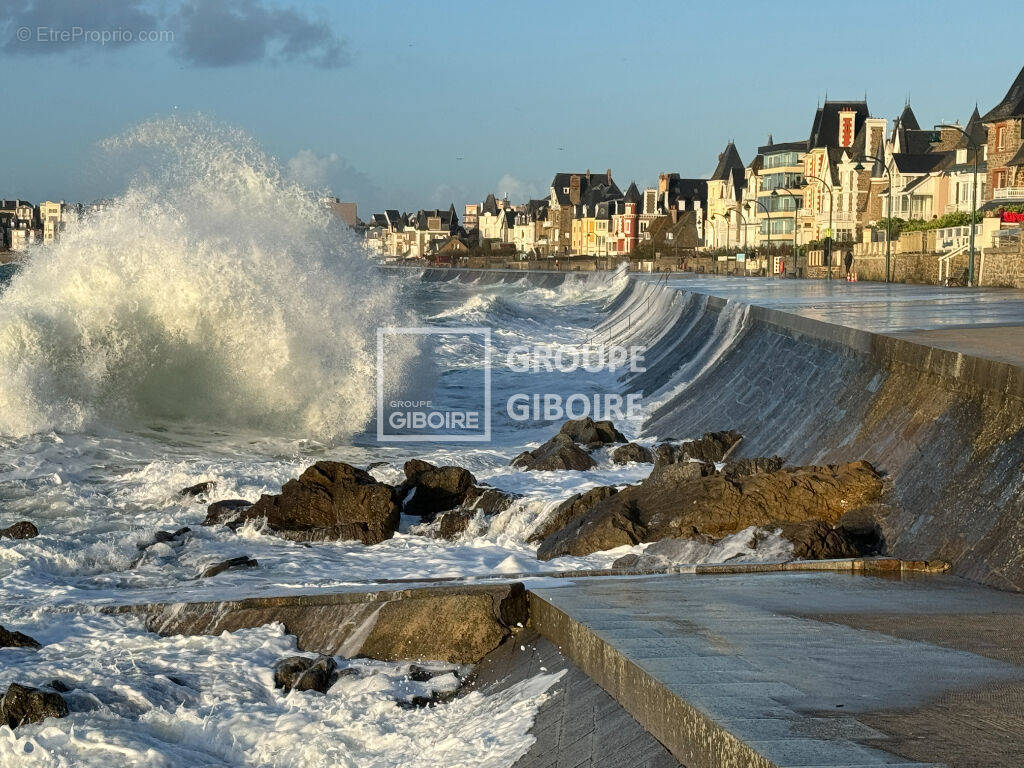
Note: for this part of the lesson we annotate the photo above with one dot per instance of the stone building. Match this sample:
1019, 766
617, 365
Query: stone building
566, 194
1006, 145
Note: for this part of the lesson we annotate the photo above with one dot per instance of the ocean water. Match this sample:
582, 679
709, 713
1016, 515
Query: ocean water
216, 324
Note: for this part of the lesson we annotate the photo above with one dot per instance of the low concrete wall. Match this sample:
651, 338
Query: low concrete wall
458, 623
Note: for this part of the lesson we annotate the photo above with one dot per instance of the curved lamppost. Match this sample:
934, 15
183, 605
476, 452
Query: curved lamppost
831, 202
767, 213
796, 213
888, 208
971, 144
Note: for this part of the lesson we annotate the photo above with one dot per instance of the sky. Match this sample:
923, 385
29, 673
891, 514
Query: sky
417, 105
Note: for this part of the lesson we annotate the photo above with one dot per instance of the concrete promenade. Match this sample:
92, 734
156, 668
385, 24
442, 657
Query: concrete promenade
982, 322
803, 669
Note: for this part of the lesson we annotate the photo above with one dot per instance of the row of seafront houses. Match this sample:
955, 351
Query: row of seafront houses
23, 224
816, 201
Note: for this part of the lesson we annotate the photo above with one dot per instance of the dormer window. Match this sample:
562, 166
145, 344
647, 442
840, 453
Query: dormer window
565, 190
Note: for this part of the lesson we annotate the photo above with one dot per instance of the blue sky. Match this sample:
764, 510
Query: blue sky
418, 105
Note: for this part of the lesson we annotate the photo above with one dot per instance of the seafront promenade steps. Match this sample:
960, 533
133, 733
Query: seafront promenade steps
925, 382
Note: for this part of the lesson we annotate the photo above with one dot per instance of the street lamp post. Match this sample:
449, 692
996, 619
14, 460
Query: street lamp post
971, 144
796, 213
767, 213
831, 202
888, 209
744, 222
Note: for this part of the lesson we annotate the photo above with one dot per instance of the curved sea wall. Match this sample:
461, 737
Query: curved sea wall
946, 428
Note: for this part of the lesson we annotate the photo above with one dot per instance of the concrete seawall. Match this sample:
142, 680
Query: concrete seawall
946, 426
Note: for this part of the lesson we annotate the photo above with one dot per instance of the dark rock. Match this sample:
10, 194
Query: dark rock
435, 698
817, 540
300, 673
743, 467
627, 561
375, 464
60, 686
331, 500
199, 489
711, 447
11, 639
22, 704
489, 501
164, 537
862, 529
230, 512
592, 433
422, 674
633, 452
560, 452
434, 489
570, 509
454, 523
233, 563
20, 530
683, 501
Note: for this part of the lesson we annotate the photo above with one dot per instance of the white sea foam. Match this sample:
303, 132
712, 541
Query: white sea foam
140, 699
211, 291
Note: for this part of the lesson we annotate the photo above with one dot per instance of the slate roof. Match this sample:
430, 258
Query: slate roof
633, 194
825, 128
918, 163
1012, 104
1017, 159
977, 131
787, 146
728, 162
561, 181
490, 206
686, 189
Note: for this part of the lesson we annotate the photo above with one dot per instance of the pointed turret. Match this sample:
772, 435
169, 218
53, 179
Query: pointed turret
633, 194
1012, 104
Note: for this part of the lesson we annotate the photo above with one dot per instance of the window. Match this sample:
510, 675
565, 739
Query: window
781, 159
1001, 137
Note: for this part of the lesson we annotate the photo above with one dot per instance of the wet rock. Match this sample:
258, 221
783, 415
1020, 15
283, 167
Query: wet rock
591, 433
374, 464
20, 530
434, 489
626, 561
330, 501
560, 452
711, 447
60, 686
422, 674
12, 639
164, 537
633, 452
817, 540
570, 509
22, 704
229, 512
234, 563
862, 528
454, 523
742, 467
199, 489
683, 501
489, 501
300, 673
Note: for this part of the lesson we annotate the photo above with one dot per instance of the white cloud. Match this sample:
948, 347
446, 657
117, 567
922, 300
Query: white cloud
517, 190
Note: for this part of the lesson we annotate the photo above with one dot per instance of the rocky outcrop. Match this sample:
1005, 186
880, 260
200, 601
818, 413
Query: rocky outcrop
331, 500
301, 673
230, 512
20, 530
590, 433
164, 537
560, 452
199, 489
12, 639
234, 563
633, 452
429, 490
569, 510
817, 540
755, 466
22, 704
684, 500
711, 447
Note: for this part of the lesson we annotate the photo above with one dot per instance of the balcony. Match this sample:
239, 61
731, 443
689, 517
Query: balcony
1008, 193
